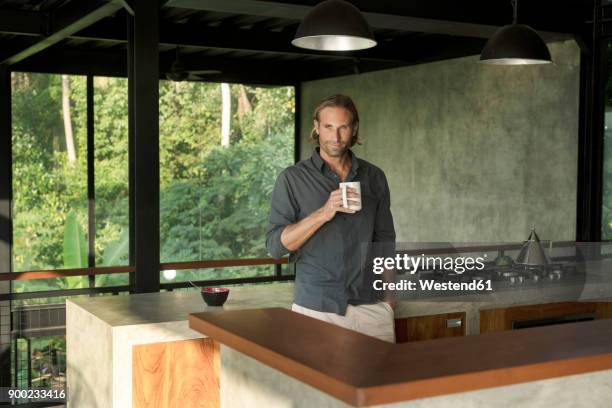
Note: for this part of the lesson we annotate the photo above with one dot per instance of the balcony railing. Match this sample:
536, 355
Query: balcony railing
29, 323
103, 270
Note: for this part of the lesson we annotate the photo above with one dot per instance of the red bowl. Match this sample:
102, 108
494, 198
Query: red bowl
215, 296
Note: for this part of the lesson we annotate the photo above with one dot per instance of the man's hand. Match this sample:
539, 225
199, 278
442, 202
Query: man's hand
391, 303
334, 203
295, 235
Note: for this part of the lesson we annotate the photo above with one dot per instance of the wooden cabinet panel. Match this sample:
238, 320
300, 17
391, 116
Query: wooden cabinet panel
176, 374
604, 310
495, 320
428, 327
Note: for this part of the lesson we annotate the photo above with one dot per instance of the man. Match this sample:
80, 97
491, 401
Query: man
325, 239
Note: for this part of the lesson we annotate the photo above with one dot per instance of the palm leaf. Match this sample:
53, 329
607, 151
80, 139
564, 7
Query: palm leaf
75, 243
115, 252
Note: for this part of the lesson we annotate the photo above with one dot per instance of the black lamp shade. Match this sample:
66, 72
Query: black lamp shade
334, 25
515, 44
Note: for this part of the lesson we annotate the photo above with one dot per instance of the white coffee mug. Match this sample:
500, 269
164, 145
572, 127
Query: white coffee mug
356, 185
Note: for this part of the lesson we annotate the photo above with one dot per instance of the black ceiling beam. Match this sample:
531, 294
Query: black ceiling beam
430, 49
21, 22
418, 50
402, 50
254, 40
76, 62
202, 36
270, 24
252, 70
470, 19
65, 21
114, 63
433, 48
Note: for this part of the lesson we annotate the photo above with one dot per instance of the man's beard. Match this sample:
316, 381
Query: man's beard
335, 151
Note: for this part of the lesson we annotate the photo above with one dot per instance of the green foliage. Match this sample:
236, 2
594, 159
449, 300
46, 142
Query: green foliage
75, 243
217, 207
46, 187
116, 253
214, 200
48, 362
111, 170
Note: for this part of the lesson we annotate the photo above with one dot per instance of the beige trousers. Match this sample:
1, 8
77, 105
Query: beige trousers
374, 320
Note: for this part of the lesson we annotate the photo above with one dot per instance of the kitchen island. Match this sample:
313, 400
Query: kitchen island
139, 350
277, 358
102, 334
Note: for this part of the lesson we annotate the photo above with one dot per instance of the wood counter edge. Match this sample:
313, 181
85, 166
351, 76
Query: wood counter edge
478, 380
404, 390
315, 378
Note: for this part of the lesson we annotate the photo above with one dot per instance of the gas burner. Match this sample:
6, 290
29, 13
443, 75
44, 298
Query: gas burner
510, 274
536, 277
516, 279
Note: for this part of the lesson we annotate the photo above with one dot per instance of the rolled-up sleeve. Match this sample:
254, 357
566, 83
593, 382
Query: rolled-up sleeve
384, 234
283, 212
384, 231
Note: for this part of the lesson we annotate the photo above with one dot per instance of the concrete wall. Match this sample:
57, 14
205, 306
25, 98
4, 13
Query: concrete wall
472, 152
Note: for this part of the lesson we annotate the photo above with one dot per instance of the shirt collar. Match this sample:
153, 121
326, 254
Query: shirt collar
320, 163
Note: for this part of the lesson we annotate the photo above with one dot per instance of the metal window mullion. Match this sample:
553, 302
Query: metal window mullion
278, 269
91, 190
591, 132
297, 146
599, 79
6, 218
15, 362
131, 171
298, 132
143, 55
29, 354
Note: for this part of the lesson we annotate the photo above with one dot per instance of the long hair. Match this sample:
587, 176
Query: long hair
341, 101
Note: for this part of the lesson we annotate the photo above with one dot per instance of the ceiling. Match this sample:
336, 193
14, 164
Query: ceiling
249, 40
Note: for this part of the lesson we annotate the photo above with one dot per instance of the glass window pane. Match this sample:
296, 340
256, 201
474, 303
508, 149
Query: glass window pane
49, 174
230, 272
111, 175
606, 218
217, 174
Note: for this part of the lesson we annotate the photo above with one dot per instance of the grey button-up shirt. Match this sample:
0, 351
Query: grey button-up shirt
331, 269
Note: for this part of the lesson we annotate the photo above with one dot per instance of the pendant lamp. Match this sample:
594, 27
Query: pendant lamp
515, 44
334, 25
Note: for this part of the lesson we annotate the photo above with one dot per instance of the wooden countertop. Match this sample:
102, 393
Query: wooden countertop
362, 370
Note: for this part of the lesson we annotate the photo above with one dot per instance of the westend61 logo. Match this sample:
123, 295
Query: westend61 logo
413, 263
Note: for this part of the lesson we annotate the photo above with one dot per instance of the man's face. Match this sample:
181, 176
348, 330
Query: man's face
335, 130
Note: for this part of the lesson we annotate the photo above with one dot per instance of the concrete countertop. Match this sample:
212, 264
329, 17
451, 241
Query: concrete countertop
101, 331
171, 308
162, 307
